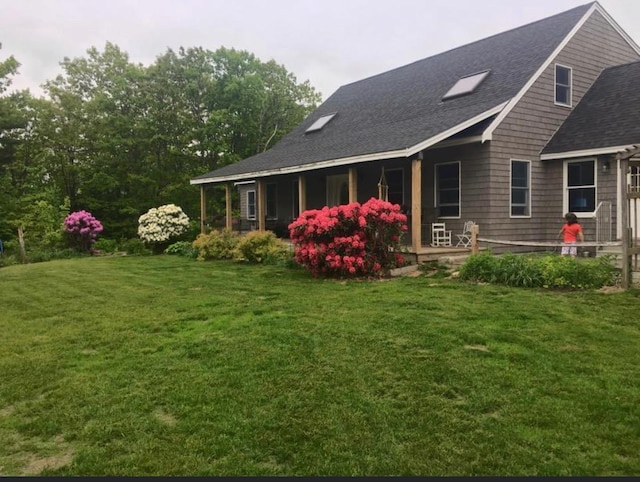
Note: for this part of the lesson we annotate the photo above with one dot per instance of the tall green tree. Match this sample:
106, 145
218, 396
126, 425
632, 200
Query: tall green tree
117, 138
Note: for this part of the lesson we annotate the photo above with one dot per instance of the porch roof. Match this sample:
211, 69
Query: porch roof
400, 112
606, 120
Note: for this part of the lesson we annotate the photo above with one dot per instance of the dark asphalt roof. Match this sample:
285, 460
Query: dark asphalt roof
607, 116
403, 107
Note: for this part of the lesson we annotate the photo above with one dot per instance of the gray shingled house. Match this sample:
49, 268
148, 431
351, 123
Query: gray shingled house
496, 131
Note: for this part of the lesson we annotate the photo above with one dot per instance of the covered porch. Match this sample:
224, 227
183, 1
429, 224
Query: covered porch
280, 199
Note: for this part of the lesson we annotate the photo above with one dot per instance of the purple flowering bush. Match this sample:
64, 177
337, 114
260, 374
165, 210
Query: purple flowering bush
82, 230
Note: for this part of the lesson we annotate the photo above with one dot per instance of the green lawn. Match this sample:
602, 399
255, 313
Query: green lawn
168, 366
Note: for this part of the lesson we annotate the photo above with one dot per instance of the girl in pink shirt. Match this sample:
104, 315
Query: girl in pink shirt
571, 232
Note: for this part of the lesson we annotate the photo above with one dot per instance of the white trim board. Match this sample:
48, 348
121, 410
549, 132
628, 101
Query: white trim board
583, 153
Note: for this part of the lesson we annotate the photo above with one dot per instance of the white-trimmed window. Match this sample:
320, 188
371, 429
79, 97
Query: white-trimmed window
251, 204
520, 189
563, 82
580, 194
447, 189
271, 195
337, 190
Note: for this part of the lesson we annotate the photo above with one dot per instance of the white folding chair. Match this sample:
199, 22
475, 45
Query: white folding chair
439, 235
464, 239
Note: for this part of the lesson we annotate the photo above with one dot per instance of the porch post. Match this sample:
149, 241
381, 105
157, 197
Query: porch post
261, 208
353, 185
416, 203
203, 209
228, 212
302, 193
624, 223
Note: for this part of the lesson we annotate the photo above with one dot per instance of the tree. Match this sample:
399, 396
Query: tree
117, 138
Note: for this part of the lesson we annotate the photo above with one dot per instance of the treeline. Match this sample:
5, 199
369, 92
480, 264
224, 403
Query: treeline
116, 138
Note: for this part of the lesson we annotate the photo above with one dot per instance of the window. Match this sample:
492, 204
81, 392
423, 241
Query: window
251, 204
337, 190
272, 201
320, 123
563, 85
395, 182
580, 190
520, 188
447, 177
466, 85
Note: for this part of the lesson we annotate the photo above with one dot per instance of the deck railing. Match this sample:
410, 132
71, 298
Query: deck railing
604, 222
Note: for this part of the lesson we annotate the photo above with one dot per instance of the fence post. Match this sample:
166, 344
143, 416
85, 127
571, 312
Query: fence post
23, 252
475, 230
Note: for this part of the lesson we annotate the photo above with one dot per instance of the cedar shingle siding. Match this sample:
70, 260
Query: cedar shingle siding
527, 129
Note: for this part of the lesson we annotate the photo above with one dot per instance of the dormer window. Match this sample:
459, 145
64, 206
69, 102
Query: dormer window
563, 85
466, 85
320, 123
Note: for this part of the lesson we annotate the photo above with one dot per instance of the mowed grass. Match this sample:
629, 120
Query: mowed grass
167, 366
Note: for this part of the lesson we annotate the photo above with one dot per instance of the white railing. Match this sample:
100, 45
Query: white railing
604, 222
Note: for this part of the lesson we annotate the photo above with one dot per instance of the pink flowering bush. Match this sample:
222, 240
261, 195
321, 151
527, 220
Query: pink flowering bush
82, 230
351, 240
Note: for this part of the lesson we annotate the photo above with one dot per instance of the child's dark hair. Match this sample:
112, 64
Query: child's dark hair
571, 218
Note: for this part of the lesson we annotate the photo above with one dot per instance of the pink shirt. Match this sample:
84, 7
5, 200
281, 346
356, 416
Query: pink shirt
571, 232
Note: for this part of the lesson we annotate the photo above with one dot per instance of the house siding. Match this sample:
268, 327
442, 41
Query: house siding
529, 126
474, 184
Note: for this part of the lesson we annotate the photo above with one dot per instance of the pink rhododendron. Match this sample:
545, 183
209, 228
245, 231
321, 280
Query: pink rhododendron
349, 240
82, 229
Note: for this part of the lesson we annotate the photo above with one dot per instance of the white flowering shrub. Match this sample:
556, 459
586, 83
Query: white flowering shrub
159, 225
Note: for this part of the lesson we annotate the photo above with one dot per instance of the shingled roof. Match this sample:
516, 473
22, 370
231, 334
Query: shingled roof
396, 113
607, 117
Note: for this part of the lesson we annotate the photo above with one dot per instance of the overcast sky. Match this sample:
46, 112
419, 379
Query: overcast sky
327, 42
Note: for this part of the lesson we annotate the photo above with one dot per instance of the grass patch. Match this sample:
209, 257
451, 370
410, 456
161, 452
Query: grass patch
165, 366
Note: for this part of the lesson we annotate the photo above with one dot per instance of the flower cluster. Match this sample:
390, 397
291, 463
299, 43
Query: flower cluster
160, 224
349, 240
82, 229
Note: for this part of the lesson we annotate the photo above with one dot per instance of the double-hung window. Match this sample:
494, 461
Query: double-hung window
447, 177
563, 85
251, 204
520, 188
580, 186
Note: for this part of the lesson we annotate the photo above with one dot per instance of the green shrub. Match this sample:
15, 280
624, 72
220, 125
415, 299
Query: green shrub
182, 248
218, 244
134, 247
539, 271
262, 247
40, 255
106, 245
480, 267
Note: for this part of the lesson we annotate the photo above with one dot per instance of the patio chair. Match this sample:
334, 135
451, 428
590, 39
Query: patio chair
464, 239
439, 235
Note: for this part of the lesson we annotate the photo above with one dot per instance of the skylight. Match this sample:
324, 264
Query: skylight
321, 122
466, 85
